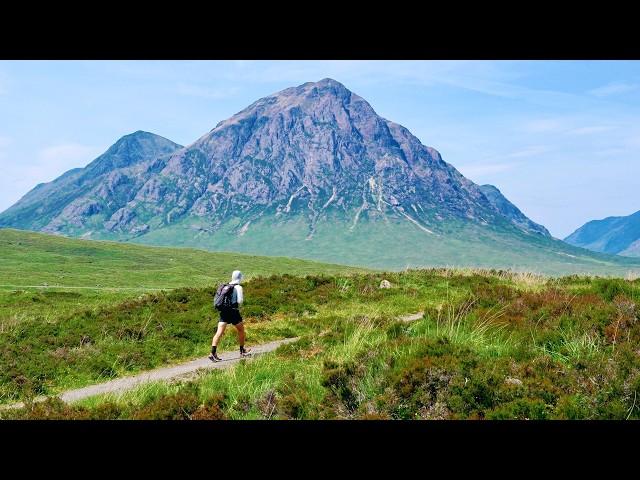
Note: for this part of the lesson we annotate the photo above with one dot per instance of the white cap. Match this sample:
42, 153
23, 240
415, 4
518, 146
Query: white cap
237, 276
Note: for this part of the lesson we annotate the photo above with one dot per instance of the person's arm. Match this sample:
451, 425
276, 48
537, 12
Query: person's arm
240, 295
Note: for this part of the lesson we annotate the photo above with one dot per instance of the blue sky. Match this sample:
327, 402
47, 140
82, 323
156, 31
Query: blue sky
561, 139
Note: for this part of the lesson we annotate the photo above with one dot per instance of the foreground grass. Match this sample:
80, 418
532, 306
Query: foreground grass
491, 345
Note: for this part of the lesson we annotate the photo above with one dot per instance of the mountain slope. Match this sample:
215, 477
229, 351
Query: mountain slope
310, 171
510, 211
65, 204
310, 150
614, 235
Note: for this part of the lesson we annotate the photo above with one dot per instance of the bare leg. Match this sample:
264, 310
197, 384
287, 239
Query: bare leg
241, 335
219, 332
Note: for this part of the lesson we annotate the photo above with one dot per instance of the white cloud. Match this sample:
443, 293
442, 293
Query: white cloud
495, 165
68, 153
206, 92
614, 88
569, 125
484, 169
44, 165
528, 152
53, 161
591, 130
545, 125
494, 78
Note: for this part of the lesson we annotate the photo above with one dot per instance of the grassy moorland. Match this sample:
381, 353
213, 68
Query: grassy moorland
491, 345
46, 276
383, 245
53, 289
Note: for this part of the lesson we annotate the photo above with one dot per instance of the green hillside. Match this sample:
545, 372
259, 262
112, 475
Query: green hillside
39, 272
397, 244
29, 258
490, 345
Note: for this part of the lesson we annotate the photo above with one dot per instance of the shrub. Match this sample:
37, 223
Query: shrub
337, 378
177, 406
520, 409
292, 400
212, 409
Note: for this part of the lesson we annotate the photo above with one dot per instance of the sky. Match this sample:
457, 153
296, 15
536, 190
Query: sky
560, 139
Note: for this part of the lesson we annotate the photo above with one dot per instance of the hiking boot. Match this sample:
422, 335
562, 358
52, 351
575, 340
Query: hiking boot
214, 357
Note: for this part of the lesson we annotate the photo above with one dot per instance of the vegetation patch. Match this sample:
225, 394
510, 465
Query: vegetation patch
490, 345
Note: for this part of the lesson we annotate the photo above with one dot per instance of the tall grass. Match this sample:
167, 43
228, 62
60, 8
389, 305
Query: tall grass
458, 323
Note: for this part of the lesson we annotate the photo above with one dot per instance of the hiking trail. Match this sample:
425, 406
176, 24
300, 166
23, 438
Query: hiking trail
172, 372
165, 373
412, 317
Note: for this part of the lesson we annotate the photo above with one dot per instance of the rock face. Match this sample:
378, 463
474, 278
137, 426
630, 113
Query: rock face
615, 235
98, 191
311, 171
316, 151
510, 211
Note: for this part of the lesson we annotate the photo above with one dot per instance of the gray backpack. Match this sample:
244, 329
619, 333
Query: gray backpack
222, 299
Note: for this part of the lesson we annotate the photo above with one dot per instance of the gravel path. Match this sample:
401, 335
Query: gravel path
165, 373
175, 371
412, 317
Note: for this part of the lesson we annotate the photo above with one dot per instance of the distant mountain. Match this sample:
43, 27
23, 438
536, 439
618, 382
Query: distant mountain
510, 211
311, 171
83, 197
614, 235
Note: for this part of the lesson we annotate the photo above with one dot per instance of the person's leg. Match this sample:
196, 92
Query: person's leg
216, 338
241, 336
219, 332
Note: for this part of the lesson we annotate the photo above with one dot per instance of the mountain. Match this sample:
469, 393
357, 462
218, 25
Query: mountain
83, 196
311, 171
509, 210
614, 235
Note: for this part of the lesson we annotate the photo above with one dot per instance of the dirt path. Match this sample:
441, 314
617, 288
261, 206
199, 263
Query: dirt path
412, 317
173, 372
165, 373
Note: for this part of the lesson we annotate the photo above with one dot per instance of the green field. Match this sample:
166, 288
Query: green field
44, 274
491, 344
30, 258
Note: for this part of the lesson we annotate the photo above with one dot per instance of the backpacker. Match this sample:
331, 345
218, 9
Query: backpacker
222, 299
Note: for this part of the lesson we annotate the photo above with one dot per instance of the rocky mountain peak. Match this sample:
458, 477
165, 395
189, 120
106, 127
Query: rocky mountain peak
316, 152
131, 149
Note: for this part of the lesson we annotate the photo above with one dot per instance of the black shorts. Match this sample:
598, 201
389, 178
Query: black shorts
231, 315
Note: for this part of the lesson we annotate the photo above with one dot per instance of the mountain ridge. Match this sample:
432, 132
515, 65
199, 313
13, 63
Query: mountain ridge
616, 235
312, 166
48, 204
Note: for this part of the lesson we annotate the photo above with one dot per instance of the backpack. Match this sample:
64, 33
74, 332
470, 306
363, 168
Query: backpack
222, 299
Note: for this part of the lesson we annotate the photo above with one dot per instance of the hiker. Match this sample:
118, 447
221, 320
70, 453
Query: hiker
228, 299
